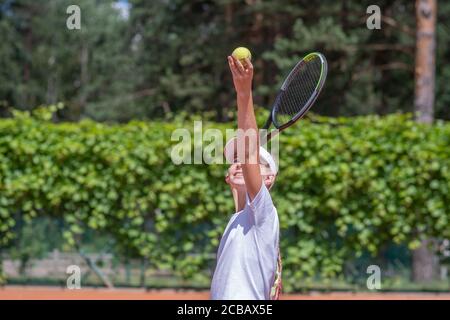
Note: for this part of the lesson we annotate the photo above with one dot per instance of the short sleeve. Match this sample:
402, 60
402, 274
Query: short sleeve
261, 205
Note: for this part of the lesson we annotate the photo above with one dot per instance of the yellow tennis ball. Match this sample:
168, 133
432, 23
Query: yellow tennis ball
241, 53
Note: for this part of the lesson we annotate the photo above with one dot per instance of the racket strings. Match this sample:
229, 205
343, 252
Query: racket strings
298, 90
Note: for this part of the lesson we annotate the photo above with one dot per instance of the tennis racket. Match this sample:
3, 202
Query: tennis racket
297, 94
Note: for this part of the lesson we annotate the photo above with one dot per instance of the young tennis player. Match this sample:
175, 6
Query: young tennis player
248, 262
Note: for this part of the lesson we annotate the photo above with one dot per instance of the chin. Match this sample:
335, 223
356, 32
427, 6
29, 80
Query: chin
238, 183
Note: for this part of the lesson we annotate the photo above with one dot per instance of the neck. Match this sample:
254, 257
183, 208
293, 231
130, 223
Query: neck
239, 198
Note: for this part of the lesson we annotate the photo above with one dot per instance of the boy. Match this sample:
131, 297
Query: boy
248, 263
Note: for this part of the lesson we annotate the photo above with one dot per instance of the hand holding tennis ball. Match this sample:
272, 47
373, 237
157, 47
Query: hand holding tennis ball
241, 53
241, 69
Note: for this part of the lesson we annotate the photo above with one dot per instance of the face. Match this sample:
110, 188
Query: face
235, 176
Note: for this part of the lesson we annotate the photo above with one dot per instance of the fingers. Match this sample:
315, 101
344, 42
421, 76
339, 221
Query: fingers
232, 66
239, 65
249, 65
237, 68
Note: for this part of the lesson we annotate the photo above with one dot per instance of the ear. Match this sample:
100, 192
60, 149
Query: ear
269, 180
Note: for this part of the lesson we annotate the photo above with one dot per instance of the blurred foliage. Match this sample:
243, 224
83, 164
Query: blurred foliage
41, 61
168, 56
34, 239
346, 186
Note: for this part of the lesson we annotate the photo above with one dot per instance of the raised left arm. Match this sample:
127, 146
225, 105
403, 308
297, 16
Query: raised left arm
248, 137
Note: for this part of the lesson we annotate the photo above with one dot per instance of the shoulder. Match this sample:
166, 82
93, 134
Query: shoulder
262, 205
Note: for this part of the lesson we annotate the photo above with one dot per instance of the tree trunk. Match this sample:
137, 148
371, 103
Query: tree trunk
84, 76
27, 99
425, 60
142, 280
2, 276
424, 261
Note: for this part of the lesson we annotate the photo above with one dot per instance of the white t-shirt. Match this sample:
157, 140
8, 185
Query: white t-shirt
248, 252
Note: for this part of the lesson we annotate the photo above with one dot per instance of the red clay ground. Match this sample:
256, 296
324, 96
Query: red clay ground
54, 293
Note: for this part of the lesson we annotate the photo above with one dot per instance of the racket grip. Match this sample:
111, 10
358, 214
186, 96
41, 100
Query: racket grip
265, 138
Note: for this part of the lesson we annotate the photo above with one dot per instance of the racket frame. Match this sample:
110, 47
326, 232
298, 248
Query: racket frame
309, 103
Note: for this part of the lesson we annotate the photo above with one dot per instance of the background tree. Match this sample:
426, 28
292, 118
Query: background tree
87, 69
164, 57
424, 259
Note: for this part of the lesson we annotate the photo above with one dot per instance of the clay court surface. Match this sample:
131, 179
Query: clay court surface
55, 293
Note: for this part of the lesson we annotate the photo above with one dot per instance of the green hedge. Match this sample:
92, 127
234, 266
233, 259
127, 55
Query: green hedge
346, 186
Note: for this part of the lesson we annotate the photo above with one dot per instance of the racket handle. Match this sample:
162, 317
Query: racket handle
268, 123
264, 139
272, 134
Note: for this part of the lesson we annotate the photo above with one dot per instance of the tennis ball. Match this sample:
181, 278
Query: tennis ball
241, 53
